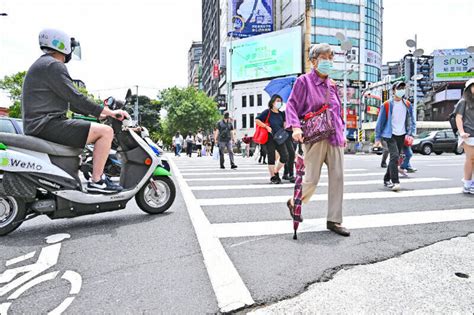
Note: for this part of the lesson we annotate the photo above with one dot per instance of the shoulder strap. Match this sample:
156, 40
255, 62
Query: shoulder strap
268, 116
386, 104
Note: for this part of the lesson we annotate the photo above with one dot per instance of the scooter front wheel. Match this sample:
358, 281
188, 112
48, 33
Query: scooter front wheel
157, 196
12, 214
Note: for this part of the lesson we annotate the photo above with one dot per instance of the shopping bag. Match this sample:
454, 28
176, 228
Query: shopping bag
215, 153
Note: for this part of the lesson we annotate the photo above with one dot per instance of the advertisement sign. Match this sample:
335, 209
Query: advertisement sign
215, 69
269, 55
453, 65
373, 110
373, 59
250, 17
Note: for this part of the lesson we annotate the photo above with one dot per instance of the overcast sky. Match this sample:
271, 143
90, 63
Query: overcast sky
145, 42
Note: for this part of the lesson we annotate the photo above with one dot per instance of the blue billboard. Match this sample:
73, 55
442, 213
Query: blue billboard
250, 17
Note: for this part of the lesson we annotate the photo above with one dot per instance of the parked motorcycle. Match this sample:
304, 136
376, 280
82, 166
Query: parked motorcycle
40, 177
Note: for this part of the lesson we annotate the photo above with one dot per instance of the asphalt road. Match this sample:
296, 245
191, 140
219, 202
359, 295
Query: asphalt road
230, 246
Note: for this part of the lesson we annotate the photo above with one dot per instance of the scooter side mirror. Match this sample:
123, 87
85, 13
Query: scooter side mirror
128, 97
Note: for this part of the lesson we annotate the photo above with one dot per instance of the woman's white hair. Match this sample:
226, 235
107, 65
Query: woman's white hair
318, 49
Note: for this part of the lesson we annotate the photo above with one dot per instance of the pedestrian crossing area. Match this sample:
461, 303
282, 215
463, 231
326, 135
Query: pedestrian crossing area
225, 204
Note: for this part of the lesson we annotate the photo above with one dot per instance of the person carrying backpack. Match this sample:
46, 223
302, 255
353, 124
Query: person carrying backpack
224, 134
396, 121
464, 111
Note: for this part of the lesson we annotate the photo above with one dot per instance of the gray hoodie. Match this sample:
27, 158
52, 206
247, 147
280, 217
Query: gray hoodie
48, 93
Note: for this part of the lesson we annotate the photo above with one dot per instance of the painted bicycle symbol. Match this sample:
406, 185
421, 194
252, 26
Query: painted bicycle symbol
20, 279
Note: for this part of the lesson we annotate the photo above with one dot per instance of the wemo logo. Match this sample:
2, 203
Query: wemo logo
20, 164
456, 61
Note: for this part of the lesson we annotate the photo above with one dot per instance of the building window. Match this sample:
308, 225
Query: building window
251, 101
244, 100
244, 121
259, 99
331, 40
334, 6
252, 121
333, 23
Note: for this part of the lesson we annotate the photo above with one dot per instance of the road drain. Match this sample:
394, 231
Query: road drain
461, 275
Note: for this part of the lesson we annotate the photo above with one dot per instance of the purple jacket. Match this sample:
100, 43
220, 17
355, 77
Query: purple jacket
309, 95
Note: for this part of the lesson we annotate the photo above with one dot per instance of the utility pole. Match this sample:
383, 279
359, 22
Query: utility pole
307, 36
135, 111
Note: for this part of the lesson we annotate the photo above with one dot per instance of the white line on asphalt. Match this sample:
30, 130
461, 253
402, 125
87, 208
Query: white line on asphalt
20, 259
263, 171
347, 183
245, 229
321, 197
226, 178
230, 290
441, 165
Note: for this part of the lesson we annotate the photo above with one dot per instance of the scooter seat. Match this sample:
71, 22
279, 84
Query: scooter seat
38, 145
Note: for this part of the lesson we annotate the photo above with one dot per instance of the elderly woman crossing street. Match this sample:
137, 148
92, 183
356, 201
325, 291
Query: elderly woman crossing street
310, 93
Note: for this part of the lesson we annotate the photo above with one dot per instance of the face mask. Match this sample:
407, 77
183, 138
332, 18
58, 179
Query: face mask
400, 93
324, 66
278, 105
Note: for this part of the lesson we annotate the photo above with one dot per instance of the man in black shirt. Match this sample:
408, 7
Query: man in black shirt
225, 135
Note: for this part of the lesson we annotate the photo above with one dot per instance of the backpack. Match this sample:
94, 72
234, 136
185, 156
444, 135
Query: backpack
452, 119
224, 131
386, 104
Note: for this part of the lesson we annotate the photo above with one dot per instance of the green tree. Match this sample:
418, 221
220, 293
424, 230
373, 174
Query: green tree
13, 84
187, 110
149, 111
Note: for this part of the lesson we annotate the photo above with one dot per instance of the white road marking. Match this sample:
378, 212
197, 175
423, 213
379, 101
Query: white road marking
321, 197
347, 183
230, 290
263, 171
245, 229
237, 171
441, 165
266, 178
20, 259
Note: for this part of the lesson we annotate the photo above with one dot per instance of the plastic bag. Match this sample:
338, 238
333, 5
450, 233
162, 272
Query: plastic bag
215, 153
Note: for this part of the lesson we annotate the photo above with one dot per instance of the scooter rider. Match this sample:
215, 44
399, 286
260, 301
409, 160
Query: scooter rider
48, 93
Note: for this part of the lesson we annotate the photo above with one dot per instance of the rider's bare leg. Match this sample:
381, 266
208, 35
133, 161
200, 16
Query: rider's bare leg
101, 136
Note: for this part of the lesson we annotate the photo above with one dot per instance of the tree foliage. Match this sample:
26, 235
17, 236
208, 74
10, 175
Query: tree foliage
149, 112
187, 110
12, 85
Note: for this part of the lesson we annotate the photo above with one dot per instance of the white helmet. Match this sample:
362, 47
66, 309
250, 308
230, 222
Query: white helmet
59, 41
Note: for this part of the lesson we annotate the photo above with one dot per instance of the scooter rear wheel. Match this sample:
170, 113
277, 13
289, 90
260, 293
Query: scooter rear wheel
12, 214
157, 196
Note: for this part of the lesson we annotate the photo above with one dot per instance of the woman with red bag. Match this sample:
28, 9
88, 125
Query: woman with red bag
273, 120
312, 93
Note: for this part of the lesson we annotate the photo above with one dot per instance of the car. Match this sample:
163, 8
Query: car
11, 125
438, 142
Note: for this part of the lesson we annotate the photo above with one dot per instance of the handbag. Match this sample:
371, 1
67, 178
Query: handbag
261, 134
317, 126
281, 136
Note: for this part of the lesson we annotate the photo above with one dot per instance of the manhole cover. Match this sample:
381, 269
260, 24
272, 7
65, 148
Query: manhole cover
461, 275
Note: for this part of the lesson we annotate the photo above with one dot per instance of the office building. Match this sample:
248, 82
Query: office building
194, 65
210, 46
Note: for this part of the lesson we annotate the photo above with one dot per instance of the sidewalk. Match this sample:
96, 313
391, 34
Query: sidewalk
422, 281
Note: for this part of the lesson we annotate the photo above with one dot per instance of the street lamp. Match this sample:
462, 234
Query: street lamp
418, 52
346, 46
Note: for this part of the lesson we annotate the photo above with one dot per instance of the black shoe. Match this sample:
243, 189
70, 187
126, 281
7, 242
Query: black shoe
276, 179
222, 167
104, 186
285, 177
337, 228
292, 179
383, 165
388, 184
233, 166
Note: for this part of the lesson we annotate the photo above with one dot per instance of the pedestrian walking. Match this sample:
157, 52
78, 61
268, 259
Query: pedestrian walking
178, 144
406, 164
383, 164
465, 123
224, 135
189, 144
247, 141
199, 142
310, 94
212, 140
262, 153
289, 169
278, 137
396, 120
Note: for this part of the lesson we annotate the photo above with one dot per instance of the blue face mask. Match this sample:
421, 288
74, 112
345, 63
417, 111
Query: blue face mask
278, 105
400, 93
324, 66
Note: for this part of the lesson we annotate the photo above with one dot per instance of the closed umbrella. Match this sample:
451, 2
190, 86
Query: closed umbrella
281, 86
298, 193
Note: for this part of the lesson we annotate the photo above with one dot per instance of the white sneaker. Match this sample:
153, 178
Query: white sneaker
396, 187
402, 172
468, 189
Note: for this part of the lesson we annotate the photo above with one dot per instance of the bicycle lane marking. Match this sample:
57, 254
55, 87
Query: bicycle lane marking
228, 286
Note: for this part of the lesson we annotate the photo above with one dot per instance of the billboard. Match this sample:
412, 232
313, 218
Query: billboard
250, 17
453, 65
269, 55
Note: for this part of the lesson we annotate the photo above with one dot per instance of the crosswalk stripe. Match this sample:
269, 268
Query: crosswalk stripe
227, 178
347, 183
257, 171
322, 197
229, 288
245, 229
